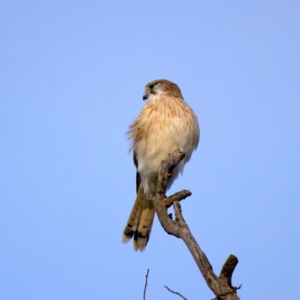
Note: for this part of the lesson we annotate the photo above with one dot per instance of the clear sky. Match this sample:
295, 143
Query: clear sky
72, 75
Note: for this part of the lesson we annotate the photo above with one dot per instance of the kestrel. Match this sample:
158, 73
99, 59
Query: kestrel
165, 124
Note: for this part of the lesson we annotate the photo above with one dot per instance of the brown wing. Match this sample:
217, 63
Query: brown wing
138, 177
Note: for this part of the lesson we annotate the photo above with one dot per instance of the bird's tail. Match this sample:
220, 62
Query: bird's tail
140, 222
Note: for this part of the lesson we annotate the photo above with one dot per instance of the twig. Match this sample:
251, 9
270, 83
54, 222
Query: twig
146, 283
224, 294
175, 293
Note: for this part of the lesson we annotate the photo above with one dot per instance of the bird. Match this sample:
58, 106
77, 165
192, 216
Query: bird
166, 124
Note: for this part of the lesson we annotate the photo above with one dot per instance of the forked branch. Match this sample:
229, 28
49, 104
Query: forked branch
220, 285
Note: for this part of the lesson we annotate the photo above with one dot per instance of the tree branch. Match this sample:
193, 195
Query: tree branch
146, 283
220, 286
175, 293
227, 293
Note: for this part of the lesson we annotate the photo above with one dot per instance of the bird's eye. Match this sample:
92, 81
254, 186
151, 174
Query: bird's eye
151, 86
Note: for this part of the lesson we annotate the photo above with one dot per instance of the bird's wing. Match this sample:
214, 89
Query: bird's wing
138, 177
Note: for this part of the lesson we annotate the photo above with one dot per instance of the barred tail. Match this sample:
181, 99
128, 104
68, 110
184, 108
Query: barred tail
140, 222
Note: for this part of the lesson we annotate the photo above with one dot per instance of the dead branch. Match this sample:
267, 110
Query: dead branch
220, 285
224, 294
146, 283
175, 293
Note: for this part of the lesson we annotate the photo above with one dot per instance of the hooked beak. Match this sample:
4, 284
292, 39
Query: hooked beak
145, 97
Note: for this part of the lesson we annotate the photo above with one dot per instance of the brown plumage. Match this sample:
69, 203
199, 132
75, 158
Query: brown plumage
165, 124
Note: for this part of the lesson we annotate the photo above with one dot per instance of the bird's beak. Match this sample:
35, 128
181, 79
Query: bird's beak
145, 97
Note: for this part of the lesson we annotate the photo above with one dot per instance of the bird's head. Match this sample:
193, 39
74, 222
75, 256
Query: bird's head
161, 87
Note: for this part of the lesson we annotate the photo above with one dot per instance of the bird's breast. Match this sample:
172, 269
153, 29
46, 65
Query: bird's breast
162, 128
159, 138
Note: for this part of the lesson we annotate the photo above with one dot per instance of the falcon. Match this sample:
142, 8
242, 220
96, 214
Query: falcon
165, 124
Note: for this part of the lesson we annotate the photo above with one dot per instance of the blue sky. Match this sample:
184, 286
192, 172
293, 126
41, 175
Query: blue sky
72, 78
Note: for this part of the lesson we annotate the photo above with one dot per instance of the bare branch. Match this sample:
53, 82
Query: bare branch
227, 293
176, 197
175, 293
220, 286
146, 283
228, 268
178, 214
